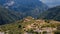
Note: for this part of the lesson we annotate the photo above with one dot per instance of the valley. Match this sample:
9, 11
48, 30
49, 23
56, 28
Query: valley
29, 17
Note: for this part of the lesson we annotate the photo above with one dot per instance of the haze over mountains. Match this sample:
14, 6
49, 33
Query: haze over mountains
28, 17
28, 7
51, 3
14, 10
18, 9
52, 13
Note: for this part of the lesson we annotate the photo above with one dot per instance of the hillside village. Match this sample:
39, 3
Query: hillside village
29, 17
30, 25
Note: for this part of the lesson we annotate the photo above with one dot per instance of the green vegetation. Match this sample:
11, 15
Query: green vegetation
57, 32
52, 13
21, 26
8, 16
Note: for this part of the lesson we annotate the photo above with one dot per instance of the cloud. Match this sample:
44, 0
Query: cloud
51, 3
9, 3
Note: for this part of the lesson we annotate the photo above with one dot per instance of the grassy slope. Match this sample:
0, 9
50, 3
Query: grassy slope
18, 27
8, 16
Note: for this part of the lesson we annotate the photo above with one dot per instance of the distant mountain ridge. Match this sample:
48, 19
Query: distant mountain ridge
52, 13
13, 10
28, 7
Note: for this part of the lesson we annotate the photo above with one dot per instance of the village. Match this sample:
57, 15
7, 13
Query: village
37, 26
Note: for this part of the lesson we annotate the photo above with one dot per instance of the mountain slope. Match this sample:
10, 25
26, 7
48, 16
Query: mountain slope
52, 13
7, 16
29, 26
28, 7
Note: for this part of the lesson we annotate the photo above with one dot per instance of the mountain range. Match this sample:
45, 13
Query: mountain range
28, 7
14, 10
52, 13
28, 17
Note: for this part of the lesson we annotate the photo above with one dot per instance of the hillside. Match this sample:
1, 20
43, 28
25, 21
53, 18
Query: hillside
27, 7
52, 13
30, 25
8, 16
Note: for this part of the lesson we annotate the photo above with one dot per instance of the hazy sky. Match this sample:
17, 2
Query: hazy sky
51, 3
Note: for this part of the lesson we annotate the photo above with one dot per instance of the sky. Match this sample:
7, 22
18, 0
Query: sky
51, 3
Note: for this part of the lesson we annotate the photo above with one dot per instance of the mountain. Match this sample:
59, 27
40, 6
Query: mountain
8, 16
52, 13
28, 7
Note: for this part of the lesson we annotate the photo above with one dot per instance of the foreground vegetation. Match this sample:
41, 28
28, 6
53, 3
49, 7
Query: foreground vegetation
30, 25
